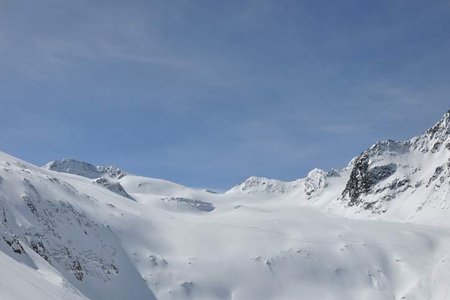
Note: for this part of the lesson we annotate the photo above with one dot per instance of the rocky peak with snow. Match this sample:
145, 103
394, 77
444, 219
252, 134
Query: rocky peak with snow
388, 147
441, 128
76, 167
314, 182
106, 176
255, 184
391, 170
435, 138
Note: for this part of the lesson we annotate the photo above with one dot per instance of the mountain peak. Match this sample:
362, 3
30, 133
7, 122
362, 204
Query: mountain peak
435, 137
81, 168
389, 147
255, 184
442, 126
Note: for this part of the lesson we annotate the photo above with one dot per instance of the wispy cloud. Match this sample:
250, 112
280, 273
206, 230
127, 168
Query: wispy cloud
55, 38
342, 128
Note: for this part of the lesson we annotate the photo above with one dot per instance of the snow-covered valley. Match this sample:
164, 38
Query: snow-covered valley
376, 229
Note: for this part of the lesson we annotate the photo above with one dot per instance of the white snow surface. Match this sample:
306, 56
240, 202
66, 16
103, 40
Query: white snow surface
377, 229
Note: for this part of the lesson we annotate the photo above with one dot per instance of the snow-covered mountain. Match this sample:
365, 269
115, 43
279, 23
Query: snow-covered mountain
376, 229
399, 180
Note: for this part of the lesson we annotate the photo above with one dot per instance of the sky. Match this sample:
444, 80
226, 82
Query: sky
208, 93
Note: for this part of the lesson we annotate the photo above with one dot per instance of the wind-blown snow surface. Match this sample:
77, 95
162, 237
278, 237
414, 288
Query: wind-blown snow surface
378, 229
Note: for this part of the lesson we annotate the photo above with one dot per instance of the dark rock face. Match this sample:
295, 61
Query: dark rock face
197, 204
436, 174
14, 243
365, 188
72, 166
77, 270
362, 178
114, 187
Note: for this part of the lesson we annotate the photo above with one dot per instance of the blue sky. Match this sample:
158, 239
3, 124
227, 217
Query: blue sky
207, 93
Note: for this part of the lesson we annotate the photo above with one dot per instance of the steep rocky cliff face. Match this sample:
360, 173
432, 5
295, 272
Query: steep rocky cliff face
393, 173
371, 168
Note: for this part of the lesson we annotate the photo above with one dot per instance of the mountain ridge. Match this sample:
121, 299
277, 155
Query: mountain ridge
376, 229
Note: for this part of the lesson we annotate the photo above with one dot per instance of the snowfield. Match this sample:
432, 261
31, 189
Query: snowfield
377, 229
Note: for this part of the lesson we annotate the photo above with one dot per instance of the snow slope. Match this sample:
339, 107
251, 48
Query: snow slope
64, 225
377, 229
